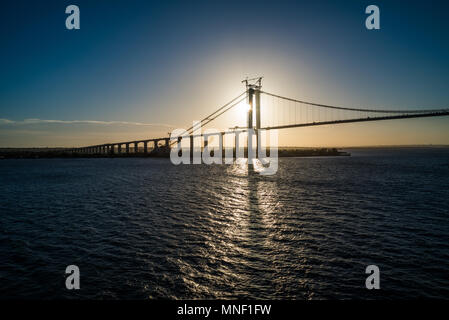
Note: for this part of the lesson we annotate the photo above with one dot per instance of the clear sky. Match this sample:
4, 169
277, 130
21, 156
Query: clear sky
137, 69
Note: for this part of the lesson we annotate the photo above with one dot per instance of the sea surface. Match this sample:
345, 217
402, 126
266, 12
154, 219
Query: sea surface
143, 228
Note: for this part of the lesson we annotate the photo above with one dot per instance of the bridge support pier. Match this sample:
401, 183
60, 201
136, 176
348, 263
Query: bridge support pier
136, 147
191, 147
145, 147
127, 148
253, 91
237, 145
119, 148
258, 124
250, 125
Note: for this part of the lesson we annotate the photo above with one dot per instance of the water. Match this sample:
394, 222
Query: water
143, 228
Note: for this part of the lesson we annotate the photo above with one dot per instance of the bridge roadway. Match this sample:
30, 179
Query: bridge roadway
404, 116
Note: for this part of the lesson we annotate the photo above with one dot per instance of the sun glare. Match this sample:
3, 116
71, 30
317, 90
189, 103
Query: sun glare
243, 109
242, 112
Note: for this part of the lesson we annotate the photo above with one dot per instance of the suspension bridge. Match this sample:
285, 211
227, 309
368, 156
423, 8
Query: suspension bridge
266, 111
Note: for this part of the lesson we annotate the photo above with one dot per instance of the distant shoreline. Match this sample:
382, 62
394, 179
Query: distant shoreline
283, 152
39, 153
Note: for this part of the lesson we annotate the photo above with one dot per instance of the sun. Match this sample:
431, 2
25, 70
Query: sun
243, 109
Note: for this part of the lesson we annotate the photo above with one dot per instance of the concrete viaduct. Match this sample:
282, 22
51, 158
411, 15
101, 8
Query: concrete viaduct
122, 147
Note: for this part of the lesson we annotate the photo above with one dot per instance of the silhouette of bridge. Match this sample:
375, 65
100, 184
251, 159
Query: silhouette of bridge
269, 111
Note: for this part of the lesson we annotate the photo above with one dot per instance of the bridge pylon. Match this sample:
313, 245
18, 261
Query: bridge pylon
253, 88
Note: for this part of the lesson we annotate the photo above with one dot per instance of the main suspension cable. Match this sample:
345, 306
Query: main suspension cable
354, 109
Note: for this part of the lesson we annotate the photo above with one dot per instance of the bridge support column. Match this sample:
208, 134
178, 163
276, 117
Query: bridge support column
258, 125
136, 147
250, 124
127, 148
119, 148
257, 98
221, 139
239, 151
156, 144
205, 143
250, 111
145, 147
112, 148
191, 148
167, 143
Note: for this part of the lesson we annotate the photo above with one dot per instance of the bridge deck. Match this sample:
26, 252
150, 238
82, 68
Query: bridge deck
407, 116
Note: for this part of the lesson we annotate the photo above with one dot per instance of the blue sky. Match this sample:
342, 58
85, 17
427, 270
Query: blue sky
167, 63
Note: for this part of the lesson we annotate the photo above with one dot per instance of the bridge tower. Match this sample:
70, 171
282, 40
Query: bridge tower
253, 87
